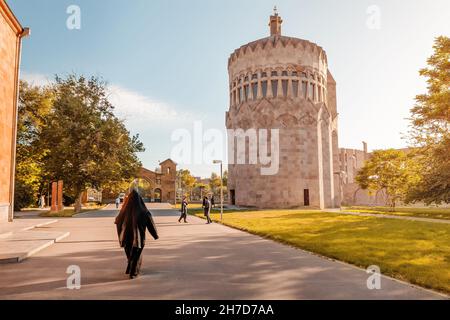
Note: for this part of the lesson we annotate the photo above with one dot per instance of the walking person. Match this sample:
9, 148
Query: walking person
184, 205
132, 222
117, 202
207, 209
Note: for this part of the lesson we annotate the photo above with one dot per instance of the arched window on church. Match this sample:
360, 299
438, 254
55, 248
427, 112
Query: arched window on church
275, 88
264, 88
255, 90
295, 88
305, 89
240, 94
246, 92
284, 84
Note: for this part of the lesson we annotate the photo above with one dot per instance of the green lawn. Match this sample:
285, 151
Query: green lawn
435, 213
418, 252
70, 212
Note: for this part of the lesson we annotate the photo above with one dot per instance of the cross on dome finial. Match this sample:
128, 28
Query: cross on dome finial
275, 10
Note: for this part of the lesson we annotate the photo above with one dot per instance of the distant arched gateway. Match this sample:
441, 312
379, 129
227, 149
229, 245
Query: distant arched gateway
159, 185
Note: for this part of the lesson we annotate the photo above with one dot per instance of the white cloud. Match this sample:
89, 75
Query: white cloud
131, 106
137, 108
36, 79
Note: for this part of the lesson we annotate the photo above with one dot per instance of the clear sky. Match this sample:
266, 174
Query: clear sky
166, 60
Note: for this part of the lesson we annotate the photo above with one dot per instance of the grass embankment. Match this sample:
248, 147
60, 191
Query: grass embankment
70, 212
434, 213
418, 252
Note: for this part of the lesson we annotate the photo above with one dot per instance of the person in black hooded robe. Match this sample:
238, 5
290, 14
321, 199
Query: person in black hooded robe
132, 222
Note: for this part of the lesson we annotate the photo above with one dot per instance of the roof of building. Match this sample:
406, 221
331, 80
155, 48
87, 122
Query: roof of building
6, 12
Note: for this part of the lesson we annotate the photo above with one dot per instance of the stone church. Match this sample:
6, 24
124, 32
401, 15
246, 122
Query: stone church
284, 83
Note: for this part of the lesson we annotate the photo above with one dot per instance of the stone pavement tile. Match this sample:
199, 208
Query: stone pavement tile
23, 244
8, 228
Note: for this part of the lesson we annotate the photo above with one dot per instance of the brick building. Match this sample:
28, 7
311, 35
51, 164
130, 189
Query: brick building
11, 34
159, 185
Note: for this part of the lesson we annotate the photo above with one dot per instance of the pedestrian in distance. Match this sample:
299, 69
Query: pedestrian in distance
184, 205
207, 209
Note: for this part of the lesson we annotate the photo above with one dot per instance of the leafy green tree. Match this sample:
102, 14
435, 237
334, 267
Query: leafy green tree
214, 183
34, 106
87, 145
391, 170
187, 182
431, 129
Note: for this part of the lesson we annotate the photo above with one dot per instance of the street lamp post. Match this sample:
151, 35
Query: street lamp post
221, 187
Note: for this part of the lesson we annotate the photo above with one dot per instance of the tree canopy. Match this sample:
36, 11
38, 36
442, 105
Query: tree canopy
430, 120
79, 140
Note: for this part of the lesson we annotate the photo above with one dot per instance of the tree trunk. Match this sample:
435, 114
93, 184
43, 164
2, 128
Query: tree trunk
77, 206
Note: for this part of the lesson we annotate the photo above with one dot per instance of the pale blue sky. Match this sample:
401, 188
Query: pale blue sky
166, 60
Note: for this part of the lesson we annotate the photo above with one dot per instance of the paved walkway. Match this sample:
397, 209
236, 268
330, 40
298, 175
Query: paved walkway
190, 261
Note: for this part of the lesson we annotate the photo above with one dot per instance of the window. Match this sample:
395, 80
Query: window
304, 75
264, 88
284, 84
240, 81
275, 88
255, 90
264, 75
311, 91
158, 181
320, 93
305, 89
234, 97
254, 76
284, 73
294, 73
240, 95
274, 73
295, 87
246, 79
246, 92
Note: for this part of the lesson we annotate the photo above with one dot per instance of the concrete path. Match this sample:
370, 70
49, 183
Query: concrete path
190, 261
21, 239
389, 216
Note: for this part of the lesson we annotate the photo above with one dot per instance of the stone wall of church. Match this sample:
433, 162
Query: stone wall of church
282, 83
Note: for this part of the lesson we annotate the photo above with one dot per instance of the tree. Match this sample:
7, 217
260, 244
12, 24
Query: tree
87, 145
391, 170
34, 106
430, 119
214, 183
187, 182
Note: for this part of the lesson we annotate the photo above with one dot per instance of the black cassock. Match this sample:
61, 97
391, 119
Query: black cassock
132, 222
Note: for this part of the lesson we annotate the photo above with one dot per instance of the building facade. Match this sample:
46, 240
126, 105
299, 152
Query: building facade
11, 33
284, 83
159, 185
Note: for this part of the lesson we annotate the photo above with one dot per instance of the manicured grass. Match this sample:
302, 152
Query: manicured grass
418, 252
435, 213
190, 206
70, 212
